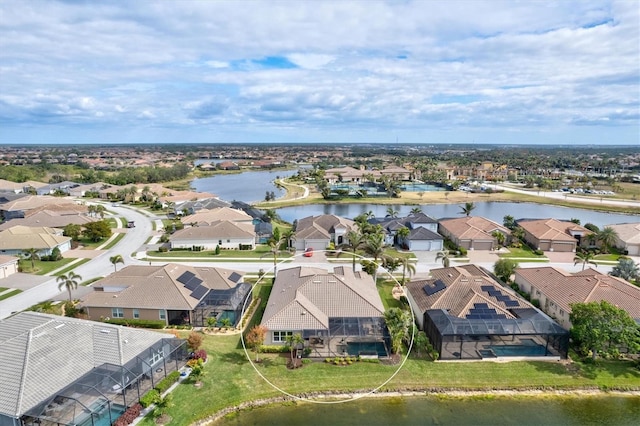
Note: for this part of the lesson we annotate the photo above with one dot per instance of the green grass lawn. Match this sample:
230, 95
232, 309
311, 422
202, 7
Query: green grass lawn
113, 242
384, 290
230, 379
43, 267
610, 257
72, 267
11, 293
523, 252
261, 252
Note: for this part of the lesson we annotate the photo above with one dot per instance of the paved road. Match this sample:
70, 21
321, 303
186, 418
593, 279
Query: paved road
98, 267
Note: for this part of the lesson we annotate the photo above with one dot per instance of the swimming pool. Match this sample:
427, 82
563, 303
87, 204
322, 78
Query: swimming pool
101, 417
366, 348
518, 350
424, 187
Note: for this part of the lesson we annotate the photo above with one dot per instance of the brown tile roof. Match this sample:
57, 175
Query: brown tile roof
462, 289
49, 219
564, 288
32, 202
214, 215
628, 232
26, 237
305, 298
552, 229
472, 228
216, 230
155, 287
322, 226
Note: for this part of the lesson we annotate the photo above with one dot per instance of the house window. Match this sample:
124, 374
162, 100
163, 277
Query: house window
163, 314
228, 241
219, 242
117, 312
136, 313
281, 336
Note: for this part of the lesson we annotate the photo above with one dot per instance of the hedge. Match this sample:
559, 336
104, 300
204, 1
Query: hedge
274, 349
138, 323
149, 398
129, 415
166, 383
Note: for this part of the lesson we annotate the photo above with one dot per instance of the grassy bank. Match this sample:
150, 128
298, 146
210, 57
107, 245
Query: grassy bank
231, 380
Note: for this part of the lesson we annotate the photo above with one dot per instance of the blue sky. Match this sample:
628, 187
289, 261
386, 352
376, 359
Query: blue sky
527, 72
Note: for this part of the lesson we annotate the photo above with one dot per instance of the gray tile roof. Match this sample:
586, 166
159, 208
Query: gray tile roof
41, 354
305, 298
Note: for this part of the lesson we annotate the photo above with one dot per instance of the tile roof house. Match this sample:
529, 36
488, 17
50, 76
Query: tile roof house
225, 234
334, 312
423, 234
556, 289
317, 232
19, 208
472, 232
468, 315
628, 237
173, 293
206, 217
17, 239
553, 234
53, 216
191, 207
61, 370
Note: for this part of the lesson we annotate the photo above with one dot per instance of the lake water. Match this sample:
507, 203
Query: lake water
490, 210
535, 411
251, 187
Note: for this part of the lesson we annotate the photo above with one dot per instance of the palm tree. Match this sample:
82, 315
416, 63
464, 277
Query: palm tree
584, 258
70, 281
289, 235
402, 234
416, 210
115, 260
274, 250
374, 247
499, 236
444, 256
467, 208
607, 236
355, 241
407, 266
391, 212
31, 254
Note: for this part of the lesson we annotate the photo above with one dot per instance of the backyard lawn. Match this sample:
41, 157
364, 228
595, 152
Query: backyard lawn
231, 379
524, 252
42, 267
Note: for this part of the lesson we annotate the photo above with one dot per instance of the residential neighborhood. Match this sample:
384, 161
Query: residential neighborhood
321, 288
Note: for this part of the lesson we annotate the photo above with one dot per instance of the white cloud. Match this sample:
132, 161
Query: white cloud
394, 65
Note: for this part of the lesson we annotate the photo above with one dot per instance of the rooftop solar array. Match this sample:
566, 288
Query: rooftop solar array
185, 277
193, 283
483, 311
235, 277
437, 286
199, 291
504, 298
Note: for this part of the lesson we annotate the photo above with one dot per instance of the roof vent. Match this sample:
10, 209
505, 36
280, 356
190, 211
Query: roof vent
105, 331
59, 326
303, 313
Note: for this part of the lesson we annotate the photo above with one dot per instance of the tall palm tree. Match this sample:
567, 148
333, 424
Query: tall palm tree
32, 255
416, 210
374, 247
115, 260
585, 258
355, 241
70, 281
391, 212
444, 256
274, 251
467, 208
607, 236
402, 234
407, 267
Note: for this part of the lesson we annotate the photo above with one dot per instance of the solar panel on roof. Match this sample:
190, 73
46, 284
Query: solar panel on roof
235, 277
471, 316
434, 288
495, 293
486, 287
501, 316
199, 292
481, 305
193, 283
503, 298
185, 277
511, 303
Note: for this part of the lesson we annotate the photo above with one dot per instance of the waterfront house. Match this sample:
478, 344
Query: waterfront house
466, 314
628, 238
225, 234
556, 289
336, 313
553, 234
472, 232
318, 232
423, 234
68, 371
175, 294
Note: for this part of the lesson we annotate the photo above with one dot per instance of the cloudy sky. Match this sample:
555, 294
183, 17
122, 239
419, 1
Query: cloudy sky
543, 72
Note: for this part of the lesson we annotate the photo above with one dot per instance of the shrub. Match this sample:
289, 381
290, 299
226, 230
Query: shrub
200, 354
463, 251
138, 323
129, 415
327, 360
274, 349
149, 398
166, 383
163, 249
194, 341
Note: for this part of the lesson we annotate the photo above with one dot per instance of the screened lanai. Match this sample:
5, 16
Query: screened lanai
354, 336
530, 334
101, 395
221, 304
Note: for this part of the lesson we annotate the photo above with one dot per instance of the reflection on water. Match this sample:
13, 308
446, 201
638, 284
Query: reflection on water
521, 410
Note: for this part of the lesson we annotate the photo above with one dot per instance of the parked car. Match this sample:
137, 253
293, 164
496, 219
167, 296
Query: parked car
308, 252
